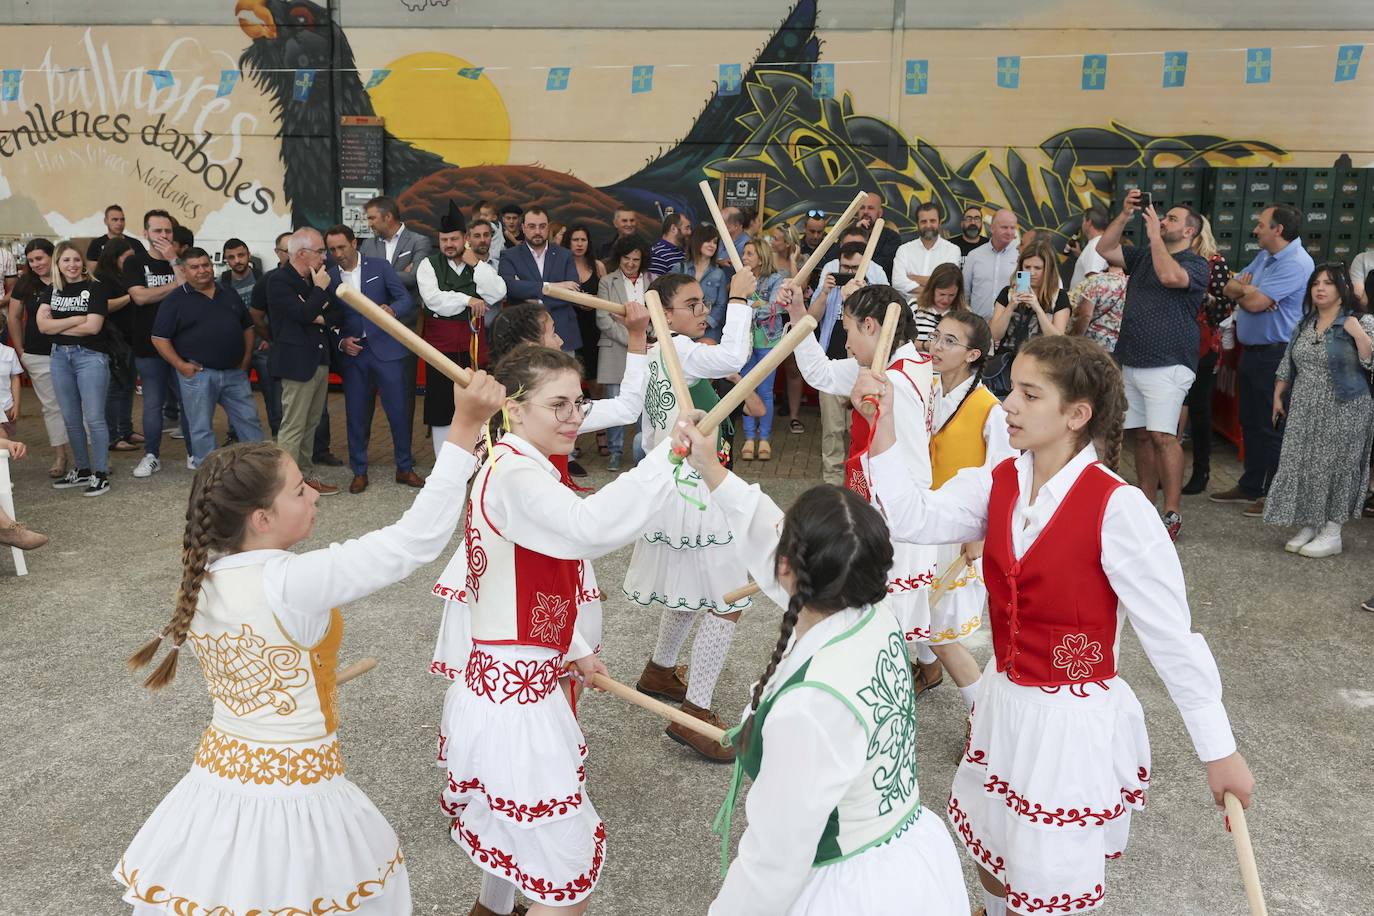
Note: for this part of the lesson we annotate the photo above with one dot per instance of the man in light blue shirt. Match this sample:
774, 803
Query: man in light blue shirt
1270, 294
989, 267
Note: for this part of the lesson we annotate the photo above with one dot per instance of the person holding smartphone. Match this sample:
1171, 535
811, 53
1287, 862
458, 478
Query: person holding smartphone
1034, 303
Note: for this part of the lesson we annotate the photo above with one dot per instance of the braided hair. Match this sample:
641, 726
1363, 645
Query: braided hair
980, 339
230, 486
1082, 371
839, 552
521, 323
872, 302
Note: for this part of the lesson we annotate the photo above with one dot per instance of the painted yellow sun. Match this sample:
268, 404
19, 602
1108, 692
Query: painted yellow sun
426, 103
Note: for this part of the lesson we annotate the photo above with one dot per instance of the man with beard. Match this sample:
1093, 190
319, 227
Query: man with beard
1158, 345
917, 259
888, 242
457, 288
970, 232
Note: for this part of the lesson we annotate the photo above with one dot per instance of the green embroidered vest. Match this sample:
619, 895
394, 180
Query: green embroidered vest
661, 406
450, 281
865, 668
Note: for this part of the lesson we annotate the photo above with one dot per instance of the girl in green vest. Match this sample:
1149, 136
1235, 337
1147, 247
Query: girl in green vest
836, 824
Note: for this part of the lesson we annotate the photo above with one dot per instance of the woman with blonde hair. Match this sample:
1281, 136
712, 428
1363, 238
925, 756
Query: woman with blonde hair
786, 239
1197, 409
770, 320
1023, 313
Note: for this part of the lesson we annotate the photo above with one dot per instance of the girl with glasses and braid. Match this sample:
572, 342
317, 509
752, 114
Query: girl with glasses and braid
265, 821
1058, 757
836, 824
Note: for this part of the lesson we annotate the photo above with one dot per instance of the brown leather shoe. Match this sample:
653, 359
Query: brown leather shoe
322, 488
358, 485
927, 677
1255, 509
711, 750
410, 479
479, 910
16, 535
664, 683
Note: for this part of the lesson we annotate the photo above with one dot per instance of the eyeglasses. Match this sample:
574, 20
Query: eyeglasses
695, 306
815, 214
279, 250
946, 342
563, 410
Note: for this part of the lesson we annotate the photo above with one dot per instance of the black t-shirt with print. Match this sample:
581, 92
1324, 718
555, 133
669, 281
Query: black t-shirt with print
77, 300
97, 247
145, 270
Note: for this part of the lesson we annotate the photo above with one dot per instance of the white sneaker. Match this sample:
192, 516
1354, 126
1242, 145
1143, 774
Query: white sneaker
148, 466
177, 433
1323, 545
1299, 539
190, 463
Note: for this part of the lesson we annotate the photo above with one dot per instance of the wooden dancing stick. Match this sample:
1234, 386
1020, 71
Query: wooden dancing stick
882, 352
360, 667
671, 713
735, 396
869, 248
744, 591
578, 297
403, 335
725, 241
945, 584
671, 364
799, 280
1249, 873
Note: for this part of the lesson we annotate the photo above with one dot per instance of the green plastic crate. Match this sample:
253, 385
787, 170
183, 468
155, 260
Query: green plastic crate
1321, 184
1259, 186
1225, 184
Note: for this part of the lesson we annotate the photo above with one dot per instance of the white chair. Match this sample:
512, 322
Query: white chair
7, 505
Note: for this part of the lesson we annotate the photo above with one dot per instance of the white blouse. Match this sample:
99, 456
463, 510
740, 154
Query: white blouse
302, 588
1140, 561
625, 407
815, 747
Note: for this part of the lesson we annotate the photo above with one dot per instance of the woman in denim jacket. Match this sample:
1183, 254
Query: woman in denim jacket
1324, 465
700, 264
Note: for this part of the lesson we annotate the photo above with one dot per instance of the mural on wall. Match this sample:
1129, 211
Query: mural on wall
90, 126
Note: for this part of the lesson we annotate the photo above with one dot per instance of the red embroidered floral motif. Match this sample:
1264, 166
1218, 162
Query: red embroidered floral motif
583, 595
443, 670
917, 634
1058, 817
547, 617
516, 811
477, 556
448, 594
442, 756
911, 584
547, 891
857, 482
526, 680
482, 674
981, 853
1077, 655
1059, 903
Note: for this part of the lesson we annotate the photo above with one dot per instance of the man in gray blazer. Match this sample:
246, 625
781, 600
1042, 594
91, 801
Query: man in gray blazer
404, 249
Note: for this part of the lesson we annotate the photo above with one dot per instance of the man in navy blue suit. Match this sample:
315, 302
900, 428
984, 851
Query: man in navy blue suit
373, 360
528, 266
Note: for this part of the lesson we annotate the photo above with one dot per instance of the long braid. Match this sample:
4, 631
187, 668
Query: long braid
980, 339
795, 604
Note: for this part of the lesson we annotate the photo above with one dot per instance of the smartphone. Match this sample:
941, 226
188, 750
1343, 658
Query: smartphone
842, 277
1023, 281
1146, 200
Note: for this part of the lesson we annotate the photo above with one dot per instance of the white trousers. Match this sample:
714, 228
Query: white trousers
41, 376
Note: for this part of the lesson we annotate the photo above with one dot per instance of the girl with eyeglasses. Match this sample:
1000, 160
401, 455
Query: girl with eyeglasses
516, 787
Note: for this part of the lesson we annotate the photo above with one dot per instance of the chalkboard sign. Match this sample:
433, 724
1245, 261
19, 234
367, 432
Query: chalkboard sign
743, 190
360, 151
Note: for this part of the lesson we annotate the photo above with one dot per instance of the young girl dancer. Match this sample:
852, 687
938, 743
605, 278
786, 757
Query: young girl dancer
514, 326
836, 824
1058, 755
516, 757
687, 560
910, 370
266, 822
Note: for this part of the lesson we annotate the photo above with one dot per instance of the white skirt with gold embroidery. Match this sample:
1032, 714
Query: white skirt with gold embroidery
265, 828
959, 613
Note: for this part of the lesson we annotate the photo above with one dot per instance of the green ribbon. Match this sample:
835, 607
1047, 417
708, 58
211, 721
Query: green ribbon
727, 807
683, 483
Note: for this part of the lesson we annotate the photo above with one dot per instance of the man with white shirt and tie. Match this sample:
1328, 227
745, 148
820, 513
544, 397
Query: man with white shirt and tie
459, 290
403, 249
917, 259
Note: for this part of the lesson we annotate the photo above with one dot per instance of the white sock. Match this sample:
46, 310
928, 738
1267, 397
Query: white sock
440, 435
969, 693
924, 655
673, 628
996, 906
708, 658
497, 894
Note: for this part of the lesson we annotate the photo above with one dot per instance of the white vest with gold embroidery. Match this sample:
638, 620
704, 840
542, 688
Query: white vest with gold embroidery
266, 687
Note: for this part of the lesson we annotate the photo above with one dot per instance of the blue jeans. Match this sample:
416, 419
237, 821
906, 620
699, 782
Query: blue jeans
271, 388
156, 375
199, 395
760, 427
615, 436
80, 379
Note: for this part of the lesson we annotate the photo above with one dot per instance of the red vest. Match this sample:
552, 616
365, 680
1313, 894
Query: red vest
859, 435
515, 595
1053, 611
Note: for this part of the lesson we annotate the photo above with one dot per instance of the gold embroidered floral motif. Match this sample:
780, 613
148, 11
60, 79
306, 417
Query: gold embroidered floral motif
950, 633
156, 895
246, 674
231, 758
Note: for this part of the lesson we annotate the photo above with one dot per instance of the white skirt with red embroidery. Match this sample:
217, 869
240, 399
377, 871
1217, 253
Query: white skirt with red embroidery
267, 828
1045, 790
908, 589
516, 775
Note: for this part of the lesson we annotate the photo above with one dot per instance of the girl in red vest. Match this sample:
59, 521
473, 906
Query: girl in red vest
1058, 757
911, 374
516, 757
